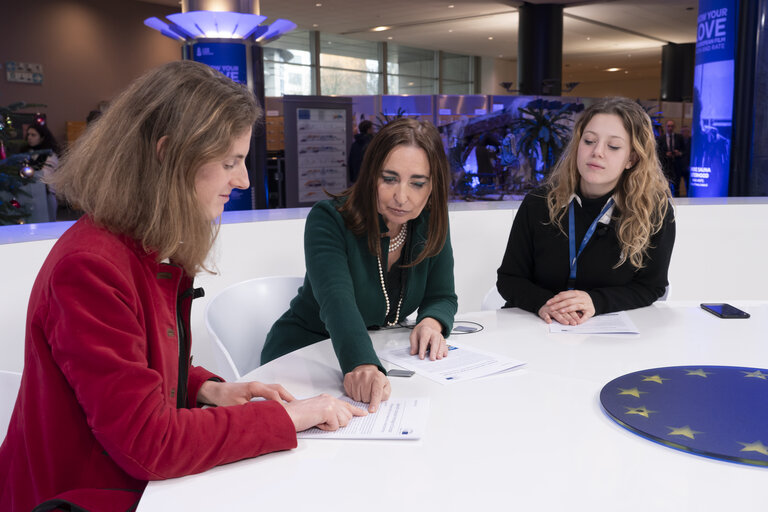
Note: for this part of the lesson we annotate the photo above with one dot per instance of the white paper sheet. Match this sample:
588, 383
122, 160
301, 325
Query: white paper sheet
397, 418
608, 323
462, 363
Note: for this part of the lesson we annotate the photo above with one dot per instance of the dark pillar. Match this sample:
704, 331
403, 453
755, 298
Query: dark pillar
257, 156
749, 156
677, 71
540, 49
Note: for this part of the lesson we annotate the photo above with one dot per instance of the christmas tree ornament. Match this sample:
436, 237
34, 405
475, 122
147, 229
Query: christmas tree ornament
26, 171
2, 150
15, 203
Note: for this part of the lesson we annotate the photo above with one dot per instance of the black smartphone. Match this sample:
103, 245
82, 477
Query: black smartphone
724, 310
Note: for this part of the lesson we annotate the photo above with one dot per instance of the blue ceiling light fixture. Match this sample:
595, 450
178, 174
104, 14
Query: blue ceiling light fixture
189, 26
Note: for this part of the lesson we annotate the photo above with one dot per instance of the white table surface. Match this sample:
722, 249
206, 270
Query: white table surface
535, 438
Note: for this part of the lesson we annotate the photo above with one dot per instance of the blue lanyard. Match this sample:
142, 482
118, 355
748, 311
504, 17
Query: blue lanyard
573, 255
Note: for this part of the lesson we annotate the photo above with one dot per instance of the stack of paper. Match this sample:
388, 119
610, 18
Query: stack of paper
462, 363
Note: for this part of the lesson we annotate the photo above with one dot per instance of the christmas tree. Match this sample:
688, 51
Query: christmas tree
15, 169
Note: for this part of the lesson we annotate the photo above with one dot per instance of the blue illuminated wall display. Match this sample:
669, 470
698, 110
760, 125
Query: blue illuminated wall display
228, 58
713, 98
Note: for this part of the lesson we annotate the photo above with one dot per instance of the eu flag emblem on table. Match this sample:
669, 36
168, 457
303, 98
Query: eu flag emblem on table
714, 411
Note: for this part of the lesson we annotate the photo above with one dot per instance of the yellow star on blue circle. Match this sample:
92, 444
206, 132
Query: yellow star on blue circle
654, 378
642, 411
684, 431
632, 392
699, 373
757, 446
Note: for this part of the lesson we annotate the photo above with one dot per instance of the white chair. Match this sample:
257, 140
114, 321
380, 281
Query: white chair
9, 389
493, 300
240, 317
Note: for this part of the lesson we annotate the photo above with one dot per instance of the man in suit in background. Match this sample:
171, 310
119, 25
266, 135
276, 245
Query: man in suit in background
671, 148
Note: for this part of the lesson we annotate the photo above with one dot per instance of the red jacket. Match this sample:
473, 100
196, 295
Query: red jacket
97, 406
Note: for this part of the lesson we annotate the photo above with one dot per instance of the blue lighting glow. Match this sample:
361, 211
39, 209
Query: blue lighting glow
219, 25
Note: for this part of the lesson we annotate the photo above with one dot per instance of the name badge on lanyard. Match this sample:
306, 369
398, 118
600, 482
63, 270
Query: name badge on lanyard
573, 255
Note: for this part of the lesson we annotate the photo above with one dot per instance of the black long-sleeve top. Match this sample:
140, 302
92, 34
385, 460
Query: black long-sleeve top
536, 268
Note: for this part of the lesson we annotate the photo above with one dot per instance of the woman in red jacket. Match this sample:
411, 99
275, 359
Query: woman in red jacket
108, 398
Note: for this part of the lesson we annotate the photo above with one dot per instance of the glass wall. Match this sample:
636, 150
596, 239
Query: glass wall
457, 74
411, 70
288, 65
349, 66
353, 67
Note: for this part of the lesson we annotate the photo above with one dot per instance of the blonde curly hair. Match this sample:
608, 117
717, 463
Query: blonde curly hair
642, 194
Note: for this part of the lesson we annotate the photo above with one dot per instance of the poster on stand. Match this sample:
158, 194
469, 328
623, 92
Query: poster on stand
322, 152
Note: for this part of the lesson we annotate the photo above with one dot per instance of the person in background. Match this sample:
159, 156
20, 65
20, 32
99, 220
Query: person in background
375, 254
671, 148
356, 152
39, 137
109, 398
598, 236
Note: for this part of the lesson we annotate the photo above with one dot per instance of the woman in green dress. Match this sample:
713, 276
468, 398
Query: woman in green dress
375, 254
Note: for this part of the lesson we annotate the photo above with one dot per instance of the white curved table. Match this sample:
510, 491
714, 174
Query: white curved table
534, 438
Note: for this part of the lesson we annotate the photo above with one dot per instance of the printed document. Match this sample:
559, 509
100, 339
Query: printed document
608, 323
462, 363
400, 418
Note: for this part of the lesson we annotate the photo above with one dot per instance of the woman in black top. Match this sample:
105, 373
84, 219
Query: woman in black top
598, 236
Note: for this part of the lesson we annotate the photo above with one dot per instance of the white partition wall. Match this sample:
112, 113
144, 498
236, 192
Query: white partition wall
719, 255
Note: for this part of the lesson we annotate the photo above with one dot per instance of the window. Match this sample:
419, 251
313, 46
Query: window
410, 70
349, 66
288, 65
457, 74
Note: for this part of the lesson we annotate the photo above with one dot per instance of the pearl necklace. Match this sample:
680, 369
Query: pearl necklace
386, 296
396, 242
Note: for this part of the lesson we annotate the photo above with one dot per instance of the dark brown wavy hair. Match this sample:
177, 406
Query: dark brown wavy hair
360, 211
114, 173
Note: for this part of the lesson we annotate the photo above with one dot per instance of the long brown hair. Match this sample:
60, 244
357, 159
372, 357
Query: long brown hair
642, 194
114, 172
360, 209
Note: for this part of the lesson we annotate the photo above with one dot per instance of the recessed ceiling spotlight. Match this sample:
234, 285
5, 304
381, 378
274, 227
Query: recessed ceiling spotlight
450, 30
626, 72
451, 6
490, 38
390, 38
318, 4
381, 28
411, 83
613, 70
315, 25
588, 38
501, 56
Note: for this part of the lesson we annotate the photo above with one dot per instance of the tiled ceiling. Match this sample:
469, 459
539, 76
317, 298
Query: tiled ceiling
597, 35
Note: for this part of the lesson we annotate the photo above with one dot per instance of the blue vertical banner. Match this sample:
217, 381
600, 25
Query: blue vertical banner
713, 98
230, 60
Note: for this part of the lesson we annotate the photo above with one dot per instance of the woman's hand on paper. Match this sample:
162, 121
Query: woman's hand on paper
428, 336
366, 383
322, 411
570, 307
238, 393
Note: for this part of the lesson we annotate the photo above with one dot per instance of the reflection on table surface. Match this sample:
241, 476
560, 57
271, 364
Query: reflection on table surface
534, 438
